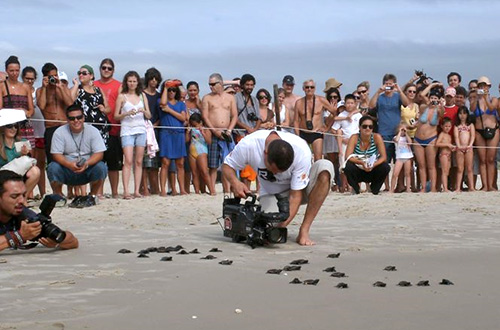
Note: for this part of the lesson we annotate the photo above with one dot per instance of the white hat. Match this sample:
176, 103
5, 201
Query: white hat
63, 76
340, 104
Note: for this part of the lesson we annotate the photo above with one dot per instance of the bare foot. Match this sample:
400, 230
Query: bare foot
303, 239
163, 194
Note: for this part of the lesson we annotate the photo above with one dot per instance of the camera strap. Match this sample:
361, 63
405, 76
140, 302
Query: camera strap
8, 93
246, 103
305, 107
78, 146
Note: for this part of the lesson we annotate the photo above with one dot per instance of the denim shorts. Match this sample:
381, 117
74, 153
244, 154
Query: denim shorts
135, 140
58, 173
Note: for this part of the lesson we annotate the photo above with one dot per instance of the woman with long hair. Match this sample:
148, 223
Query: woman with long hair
131, 110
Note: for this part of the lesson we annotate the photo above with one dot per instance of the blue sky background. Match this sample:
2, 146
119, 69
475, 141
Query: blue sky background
349, 40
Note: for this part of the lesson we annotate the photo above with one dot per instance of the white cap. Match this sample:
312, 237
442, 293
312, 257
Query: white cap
340, 104
63, 76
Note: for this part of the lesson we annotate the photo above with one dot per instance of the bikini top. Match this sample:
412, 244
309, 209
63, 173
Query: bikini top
463, 128
424, 117
478, 112
371, 150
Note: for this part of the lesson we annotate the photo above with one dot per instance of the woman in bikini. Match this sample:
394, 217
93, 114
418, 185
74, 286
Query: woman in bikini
464, 133
431, 111
266, 114
484, 108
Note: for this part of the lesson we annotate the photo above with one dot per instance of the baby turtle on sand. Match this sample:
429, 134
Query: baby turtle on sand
291, 268
143, 251
446, 282
390, 268
183, 252
226, 262
215, 250
124, 251
152, 249
299, 262
195, 251
342, 285
404, 283
338, 274
311, 282
174, 248
423, 283
209, 257
296, 281
162, 249
330, 270
166, 259
379, 284
142, 255
333, 255
274, 271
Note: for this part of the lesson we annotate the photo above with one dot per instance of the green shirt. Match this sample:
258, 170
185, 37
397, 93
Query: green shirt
11, 154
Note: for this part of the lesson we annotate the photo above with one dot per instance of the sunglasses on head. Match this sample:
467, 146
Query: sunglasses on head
71, 118
82, 73
11, 126
106, 68
367, 126
172, 89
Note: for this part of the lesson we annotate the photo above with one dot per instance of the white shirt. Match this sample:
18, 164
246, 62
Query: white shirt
348, 127
250, 151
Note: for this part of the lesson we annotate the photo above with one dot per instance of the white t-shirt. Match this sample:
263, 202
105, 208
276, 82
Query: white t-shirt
250, 151
403, 150
348, 127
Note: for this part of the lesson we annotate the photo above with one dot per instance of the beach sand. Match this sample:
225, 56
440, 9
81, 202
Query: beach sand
426, 236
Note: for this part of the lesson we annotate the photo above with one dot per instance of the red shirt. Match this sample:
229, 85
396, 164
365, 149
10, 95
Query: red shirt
111, 89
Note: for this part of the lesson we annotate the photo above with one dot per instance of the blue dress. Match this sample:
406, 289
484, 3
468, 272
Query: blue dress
172, 141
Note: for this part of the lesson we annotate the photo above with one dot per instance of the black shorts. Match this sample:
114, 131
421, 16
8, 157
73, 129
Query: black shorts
113, 156
310, 137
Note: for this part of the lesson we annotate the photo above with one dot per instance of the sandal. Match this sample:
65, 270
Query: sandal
127, 197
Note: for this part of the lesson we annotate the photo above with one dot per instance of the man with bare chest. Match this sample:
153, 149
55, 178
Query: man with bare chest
290, 98
52, 98
219, 113
308, 121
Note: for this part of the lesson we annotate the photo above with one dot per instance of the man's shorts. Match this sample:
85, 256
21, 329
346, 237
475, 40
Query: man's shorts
214, 153
268, 202
113, 156
58, 173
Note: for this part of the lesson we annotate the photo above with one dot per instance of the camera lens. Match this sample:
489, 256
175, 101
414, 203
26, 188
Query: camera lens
276, 235
53, 232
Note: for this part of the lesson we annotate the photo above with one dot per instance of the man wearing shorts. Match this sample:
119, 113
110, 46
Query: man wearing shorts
283, 162
219, 113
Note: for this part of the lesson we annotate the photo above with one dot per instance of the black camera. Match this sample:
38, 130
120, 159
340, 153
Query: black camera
422, 77
252, 117
81, 162
49, 230
309, 125
246, 221
52, 80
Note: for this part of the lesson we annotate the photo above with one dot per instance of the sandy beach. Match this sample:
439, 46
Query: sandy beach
426, 236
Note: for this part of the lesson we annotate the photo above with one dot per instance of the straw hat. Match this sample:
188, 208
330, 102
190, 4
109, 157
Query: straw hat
331, 83
485, 80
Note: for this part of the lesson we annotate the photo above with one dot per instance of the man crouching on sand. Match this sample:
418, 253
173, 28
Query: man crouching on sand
14, 231
283, 163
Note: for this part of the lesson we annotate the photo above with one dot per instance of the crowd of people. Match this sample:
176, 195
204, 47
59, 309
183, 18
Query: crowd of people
169, 140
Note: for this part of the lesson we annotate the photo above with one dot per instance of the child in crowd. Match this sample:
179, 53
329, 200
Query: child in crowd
198, 153
446, 147
404, 157
465, 134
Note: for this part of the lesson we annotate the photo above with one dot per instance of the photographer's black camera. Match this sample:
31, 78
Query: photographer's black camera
309, 125
52, 80
252, 117
49, 230
247, 222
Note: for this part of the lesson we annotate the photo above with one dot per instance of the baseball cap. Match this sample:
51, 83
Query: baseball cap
62, 76
340, 104
450, 91
289, 80
484, 80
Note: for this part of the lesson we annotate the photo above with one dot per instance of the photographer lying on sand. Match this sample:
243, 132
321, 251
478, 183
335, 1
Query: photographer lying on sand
14, 230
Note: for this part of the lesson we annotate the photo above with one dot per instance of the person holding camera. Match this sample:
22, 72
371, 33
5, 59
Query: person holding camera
52, 99
14, 230
283, 163
77, 149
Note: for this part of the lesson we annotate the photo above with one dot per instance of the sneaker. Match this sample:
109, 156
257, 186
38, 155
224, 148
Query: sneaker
76, 202
90, 200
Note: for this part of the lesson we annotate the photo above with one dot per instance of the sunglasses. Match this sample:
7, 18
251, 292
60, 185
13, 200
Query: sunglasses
172, 89
261, 97
106, 68
213, 84
362, 92
309, 87
411, 91
82, 73
334, 97
367, 126
71, 118
357, 97
11, 126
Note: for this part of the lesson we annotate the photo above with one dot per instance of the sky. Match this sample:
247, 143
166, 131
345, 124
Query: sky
319, 39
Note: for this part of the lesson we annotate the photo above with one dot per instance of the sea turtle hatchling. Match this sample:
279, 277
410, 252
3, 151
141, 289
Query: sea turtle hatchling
142, 255
296, 281
446, 282
274, 271
404, 283
194, 251
333, 255
311, 282
330, 269
299, 262
226, 262
291, 268
124, 251
215, 250
208, 257
166, 259
182, 252
379, 284
338, 274
342, 285
390, 268
423, 283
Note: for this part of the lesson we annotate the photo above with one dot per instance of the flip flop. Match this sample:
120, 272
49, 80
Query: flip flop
127, 197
